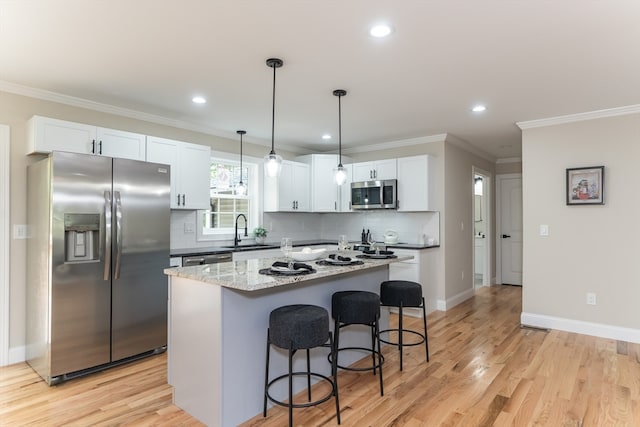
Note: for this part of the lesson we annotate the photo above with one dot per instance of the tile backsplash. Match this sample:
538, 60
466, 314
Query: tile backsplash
309, 226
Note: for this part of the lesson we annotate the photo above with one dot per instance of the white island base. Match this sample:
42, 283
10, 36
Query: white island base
217, 339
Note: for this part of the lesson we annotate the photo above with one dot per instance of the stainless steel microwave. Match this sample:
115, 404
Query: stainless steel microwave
381, 194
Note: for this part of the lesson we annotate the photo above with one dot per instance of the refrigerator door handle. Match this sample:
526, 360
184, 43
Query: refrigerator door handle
107, 235
116, 195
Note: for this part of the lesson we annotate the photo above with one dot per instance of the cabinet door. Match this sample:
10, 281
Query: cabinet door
194, 172
46, 135
324, 189
345, 191
160, 150
285, 188
121, 144
415, 187
301, 187
385, 169
363, 171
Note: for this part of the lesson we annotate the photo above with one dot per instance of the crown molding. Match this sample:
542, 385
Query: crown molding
509, 160
571, 118
465, 145
72, 101
396, 144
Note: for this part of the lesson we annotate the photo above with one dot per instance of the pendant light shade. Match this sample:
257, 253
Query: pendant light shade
272, 161
340, 173
241, 189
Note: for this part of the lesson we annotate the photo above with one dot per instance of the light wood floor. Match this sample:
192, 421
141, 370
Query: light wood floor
485, 370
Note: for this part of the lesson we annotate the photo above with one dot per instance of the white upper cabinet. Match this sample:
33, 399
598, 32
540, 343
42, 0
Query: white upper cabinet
324, 190
190, 170
46, 135
377, 170
416, 184
290, 191
118, 143
345, 191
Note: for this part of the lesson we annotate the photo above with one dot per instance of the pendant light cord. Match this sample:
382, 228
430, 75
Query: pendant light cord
339, 93
340, 130
273, 109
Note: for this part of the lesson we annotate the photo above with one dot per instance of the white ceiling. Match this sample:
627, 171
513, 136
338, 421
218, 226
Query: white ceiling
524, 59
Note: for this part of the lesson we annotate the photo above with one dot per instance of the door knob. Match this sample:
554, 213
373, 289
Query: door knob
505, 236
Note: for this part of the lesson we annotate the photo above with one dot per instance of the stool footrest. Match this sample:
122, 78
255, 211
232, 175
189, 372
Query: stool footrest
301, 405
408, 331
367, 368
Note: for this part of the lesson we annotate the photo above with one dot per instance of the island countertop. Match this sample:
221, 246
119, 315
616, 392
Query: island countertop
245, 275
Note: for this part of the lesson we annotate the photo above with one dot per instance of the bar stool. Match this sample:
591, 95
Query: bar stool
358, 308
299, 327
401, 294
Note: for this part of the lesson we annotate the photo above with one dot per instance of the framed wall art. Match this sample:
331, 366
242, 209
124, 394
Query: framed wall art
585, 186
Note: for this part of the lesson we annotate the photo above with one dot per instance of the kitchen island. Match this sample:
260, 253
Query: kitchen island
218, 319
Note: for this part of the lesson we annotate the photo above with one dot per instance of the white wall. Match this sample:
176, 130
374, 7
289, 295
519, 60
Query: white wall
589, 248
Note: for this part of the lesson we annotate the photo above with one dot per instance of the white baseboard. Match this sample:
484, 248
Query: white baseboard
580, 327
17, 354
449, 303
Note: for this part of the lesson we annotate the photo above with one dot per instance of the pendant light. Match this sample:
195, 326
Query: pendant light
340, 171
272, 161
241, 189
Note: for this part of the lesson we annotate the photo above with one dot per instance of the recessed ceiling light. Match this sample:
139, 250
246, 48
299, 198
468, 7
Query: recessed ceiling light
198, 100
479, 108
326, 136
380, 30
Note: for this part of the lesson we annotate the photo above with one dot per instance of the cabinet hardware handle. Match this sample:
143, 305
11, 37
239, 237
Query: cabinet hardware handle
93, 146
335, 206
178, 200
183, 202
505, 236
100, 148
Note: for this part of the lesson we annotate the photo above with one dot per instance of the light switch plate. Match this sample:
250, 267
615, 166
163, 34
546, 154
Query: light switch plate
544, 230
189, 227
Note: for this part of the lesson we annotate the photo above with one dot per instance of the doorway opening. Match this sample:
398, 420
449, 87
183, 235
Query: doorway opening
482, 228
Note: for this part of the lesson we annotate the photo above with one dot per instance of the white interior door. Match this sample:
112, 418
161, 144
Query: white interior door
510, 230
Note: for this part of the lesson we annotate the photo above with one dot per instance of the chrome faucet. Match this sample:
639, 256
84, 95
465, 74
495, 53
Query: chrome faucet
236, 237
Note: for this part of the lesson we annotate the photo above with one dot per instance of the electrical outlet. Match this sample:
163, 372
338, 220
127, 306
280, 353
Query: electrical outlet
462, 274
189, 228
544, 230
591, 298
461, 226
20, 231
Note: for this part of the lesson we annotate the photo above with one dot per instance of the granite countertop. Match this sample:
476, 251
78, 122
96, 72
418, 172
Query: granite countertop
245, 276
274, 245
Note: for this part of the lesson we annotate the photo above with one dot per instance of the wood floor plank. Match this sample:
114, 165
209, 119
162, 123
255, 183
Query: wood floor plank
484, 370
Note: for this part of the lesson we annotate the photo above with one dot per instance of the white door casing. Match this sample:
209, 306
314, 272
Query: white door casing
487, 213
509, 229
4, 243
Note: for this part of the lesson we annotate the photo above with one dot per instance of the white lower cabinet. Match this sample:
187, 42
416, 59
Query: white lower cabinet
190, 170
411, 270
45, 134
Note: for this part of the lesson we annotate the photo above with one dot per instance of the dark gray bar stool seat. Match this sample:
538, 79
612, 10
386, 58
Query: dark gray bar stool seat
358, 308
401, 294
300, 327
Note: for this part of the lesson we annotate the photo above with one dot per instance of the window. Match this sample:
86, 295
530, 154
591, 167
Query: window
225, 204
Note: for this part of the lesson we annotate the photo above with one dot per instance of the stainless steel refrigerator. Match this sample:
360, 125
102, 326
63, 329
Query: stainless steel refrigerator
98, 243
